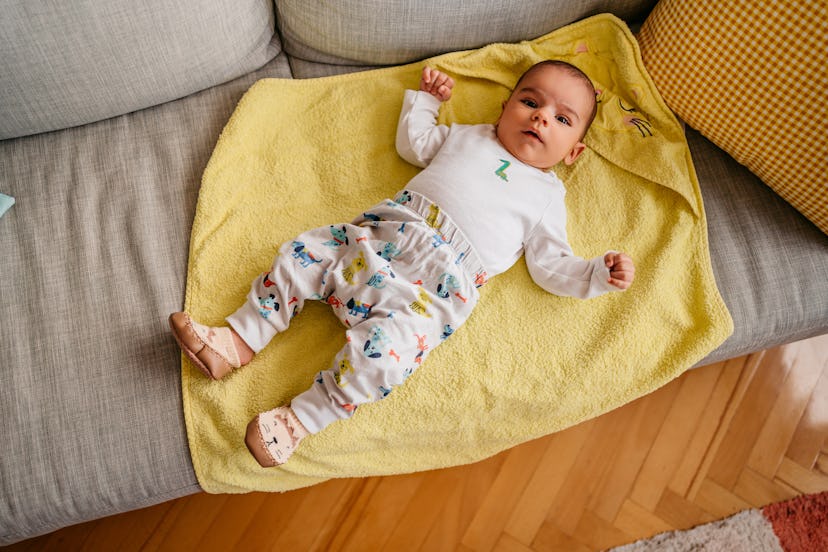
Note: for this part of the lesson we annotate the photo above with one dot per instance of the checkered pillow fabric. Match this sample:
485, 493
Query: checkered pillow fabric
752, 77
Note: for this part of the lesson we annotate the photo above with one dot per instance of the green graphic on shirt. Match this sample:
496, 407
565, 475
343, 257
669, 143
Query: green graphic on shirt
500, 171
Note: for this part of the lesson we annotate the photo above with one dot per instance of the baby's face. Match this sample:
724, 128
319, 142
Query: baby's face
544, 118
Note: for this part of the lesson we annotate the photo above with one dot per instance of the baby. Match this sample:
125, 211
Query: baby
405, 275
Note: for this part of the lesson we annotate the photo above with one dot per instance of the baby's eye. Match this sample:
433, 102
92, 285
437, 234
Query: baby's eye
562, 119
530, 103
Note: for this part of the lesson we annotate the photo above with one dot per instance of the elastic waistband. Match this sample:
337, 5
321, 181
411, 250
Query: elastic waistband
446, 232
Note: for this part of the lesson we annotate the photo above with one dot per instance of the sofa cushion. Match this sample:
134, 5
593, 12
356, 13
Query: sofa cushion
71, 63
94, 260
768, 259
752, 79
356, 32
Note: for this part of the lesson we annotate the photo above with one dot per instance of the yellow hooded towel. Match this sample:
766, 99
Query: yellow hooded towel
298, 154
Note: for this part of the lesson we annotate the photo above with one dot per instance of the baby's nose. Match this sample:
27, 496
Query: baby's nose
540, 116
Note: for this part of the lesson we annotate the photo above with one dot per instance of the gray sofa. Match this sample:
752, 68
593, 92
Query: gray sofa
109, 112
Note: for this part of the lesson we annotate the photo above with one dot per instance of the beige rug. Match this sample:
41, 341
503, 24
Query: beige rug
796, 525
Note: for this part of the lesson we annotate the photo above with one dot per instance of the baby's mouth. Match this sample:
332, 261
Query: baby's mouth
533, 134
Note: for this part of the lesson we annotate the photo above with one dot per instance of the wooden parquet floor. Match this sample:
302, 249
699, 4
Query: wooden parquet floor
719, 439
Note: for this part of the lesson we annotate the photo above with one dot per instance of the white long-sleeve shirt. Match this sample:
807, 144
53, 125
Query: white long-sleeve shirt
504, 207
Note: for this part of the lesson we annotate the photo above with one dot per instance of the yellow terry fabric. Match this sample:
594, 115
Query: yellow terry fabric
298, 154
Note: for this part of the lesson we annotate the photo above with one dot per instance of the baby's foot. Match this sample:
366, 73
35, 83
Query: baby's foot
213, 350
272, 436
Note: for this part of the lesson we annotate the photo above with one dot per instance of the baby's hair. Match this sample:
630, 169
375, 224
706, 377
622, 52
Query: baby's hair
573, 71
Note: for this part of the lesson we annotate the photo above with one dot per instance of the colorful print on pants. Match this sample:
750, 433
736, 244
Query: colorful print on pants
399, 292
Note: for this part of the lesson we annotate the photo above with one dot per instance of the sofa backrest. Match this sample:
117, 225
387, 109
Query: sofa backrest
68, 63
387, 32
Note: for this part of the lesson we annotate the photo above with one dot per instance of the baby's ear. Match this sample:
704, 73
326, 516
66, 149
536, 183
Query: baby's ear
574, 153
499, 115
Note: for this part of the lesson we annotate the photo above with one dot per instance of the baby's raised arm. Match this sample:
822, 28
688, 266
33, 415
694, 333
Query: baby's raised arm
436, 83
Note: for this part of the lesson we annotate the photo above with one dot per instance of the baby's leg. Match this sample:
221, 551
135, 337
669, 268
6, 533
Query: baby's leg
410, 314
298, 273
401, 293
378, 356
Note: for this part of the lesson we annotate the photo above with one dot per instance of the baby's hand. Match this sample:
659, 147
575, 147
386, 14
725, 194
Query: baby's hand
621, 268
436, 83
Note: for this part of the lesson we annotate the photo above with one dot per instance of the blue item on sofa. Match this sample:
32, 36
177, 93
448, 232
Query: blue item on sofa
5, 202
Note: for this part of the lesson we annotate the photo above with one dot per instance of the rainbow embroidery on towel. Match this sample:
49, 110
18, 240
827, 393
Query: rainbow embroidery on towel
501, 170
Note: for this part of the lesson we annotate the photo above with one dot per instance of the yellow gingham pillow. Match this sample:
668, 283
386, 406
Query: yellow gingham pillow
751, 76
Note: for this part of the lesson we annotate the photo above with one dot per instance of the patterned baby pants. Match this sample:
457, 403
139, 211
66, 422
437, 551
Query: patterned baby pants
401, 278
